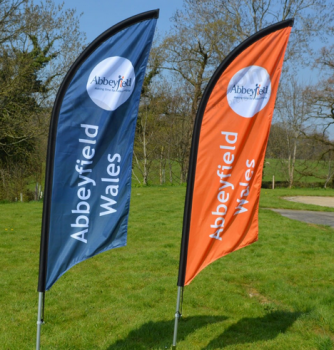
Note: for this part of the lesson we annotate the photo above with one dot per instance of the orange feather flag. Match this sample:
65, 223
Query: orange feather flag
228, 149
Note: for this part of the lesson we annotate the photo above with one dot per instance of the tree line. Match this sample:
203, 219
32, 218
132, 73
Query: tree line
39, 42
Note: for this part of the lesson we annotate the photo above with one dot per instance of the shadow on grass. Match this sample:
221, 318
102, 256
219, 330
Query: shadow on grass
159, 335
250, 330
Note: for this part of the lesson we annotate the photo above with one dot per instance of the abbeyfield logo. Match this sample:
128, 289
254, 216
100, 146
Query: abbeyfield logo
111, 82
249, 91
116, 85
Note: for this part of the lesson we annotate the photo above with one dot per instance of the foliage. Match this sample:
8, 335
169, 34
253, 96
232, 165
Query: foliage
37, 45
162, 133
195, 47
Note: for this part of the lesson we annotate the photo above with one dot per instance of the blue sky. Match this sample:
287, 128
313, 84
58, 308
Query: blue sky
99, 15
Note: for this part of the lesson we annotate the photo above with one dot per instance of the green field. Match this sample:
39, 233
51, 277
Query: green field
275, 294
171, 175
279, 169
316, 173
272, 167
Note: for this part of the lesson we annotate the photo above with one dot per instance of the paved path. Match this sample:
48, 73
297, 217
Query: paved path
311, 217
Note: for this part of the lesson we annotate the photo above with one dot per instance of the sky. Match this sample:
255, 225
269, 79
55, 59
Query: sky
99, 15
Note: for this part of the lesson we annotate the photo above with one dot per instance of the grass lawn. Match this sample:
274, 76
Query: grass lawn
275, 294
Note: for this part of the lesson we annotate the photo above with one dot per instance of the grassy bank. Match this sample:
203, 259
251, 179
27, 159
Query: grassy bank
275, 294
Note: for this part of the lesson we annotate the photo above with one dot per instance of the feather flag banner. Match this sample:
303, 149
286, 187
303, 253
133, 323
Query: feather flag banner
228, 148
89, 165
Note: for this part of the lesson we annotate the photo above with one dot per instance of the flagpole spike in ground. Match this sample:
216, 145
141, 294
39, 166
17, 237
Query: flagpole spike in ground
40, 317
177, 315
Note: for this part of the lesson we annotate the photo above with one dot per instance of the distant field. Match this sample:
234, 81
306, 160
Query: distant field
167, 173
272, 167
278, 168
170, 174
275, 294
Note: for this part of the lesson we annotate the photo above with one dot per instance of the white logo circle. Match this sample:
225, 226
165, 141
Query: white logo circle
111, 82
249, 91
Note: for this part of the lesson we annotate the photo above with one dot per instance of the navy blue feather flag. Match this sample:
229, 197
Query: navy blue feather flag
88, 176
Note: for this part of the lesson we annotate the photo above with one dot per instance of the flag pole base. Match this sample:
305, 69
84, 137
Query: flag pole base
40, 320
177, 316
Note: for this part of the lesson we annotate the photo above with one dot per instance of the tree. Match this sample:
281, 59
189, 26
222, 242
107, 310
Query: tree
173, 135
205, 31
321, 96
293, 113
10, 23
321, 99
277, 146
313, 21
146, 117
318, 157
37, 45
195, 46
161, 140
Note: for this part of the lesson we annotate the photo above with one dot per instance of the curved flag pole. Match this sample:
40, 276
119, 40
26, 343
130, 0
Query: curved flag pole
249, 43
50, 165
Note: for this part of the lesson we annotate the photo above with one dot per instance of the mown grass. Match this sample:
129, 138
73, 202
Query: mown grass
275, 198
275, 294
